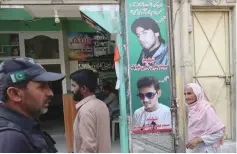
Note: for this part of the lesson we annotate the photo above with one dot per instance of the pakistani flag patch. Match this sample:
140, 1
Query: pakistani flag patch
18, 76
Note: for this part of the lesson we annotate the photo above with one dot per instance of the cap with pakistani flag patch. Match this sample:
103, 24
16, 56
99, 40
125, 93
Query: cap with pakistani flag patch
18, 76
16, 70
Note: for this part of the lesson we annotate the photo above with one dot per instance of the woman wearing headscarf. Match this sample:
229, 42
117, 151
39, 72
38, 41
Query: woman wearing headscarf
205, 131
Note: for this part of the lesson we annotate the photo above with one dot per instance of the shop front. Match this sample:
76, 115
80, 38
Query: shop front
111, 38
61, 46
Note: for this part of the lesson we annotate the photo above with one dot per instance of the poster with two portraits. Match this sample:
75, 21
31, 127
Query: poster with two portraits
147, 34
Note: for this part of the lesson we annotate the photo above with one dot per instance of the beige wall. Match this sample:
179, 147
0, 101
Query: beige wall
184, 51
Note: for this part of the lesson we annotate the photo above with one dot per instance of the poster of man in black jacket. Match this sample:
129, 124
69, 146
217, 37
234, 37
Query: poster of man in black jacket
155, 50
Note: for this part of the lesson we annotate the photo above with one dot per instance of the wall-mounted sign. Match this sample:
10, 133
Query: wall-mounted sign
101, 45
99, 65
80, 46
83, 46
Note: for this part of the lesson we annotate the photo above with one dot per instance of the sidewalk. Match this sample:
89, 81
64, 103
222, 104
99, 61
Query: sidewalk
228, 147
61, 144
56, 129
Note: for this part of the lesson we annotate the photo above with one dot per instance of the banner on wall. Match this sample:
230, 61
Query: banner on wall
103, 65
149, 64
84, 46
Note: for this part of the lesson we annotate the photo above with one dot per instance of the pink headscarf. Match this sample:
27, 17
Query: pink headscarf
202, 117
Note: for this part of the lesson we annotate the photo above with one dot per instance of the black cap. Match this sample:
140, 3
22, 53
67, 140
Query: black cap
16, 70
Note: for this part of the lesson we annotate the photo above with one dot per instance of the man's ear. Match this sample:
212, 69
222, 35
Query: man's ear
14, 94
158, 93
83, 88
157, 34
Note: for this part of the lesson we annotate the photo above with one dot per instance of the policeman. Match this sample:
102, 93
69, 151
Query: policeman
25, 95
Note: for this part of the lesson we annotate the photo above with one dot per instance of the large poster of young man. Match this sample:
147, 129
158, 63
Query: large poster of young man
154, 49
149, 64
153, 116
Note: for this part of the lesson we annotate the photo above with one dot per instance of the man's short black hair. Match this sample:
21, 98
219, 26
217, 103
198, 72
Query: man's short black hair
85, 77
147, 23
147, 82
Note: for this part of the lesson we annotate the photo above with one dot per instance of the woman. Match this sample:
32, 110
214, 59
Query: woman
205, 131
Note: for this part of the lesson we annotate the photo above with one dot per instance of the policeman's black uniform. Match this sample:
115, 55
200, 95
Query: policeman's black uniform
18, 133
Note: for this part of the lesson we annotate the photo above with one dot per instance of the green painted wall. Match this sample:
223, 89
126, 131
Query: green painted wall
39, 25
18, 19
5, 40
46, 24
14, 14
76, 26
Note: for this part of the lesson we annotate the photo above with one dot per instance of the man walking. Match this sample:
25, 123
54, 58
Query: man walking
25, 95
92, 123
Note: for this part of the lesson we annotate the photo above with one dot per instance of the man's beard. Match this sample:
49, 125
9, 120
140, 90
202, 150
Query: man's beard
44, 110
77, 96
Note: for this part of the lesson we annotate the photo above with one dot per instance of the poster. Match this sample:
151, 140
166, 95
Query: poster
149, 64
101, 45
84, 46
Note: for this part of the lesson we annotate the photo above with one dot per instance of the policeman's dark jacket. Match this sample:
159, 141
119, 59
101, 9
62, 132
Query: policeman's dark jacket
19, 134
